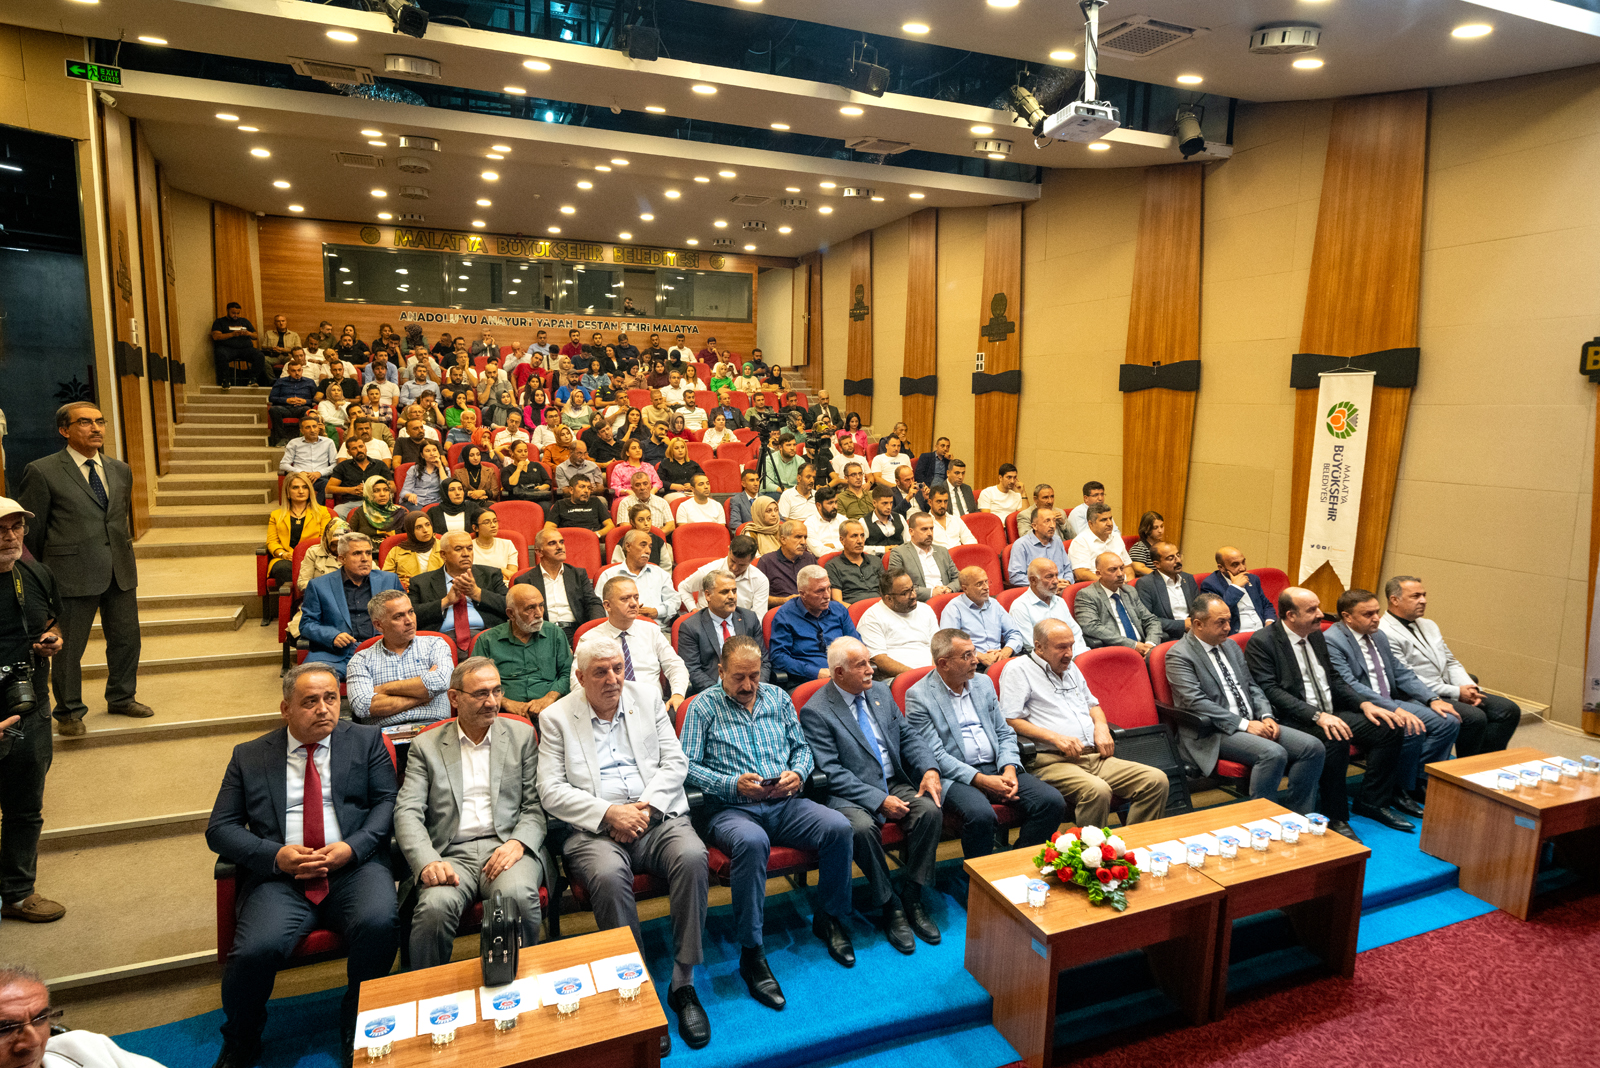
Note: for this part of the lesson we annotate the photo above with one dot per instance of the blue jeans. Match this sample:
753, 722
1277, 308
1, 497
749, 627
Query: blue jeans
747, 833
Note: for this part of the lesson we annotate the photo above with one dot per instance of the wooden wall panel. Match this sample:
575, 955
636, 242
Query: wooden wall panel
995, 414
169, 293
1163, 327
858, 348
232, 271
1362, 297
922, 321
152, 268
126, 313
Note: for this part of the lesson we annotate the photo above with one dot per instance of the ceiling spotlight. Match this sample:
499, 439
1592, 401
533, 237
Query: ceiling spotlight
380, 192
824, 210
407, 17
864, 73
225, 117
378, 144
647, 217
727, 174
296, 207
603, 169
493, 155
851, 109
983, 131
1002, 3
483, 202
791, 189
250, 129
364, 133
260, 153
163, 40
672, 194
877, 200
1099, 146
749, 248
568, 209
785, 229
625, 236
692, 241
1063, 55
720, 223
914, 27
535, 64
479, 223
917, 196
281, 184
1472, 29
552, 229
341, 35
701, 178
824, 185
652, 109
619, 163
384, 215
516, 90
1306, 64
585, 185
780, 126
1190, 139
501, 148
1189, 79
489, 176
1026, 105
705, 90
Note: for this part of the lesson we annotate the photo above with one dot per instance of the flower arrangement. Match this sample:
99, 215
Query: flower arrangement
1093, 858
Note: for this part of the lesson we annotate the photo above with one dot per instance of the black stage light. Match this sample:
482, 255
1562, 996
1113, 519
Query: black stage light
1190, 139
407, 17
864, 75
1026, 105
640, 42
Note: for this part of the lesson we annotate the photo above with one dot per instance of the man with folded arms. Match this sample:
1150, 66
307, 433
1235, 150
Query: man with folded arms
1109, 613
402, 678
531, 654
611, 769
955, 709
985, 623
879, 770
746, 751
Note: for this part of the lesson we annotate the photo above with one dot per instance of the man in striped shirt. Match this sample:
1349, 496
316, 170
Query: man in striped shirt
401, 678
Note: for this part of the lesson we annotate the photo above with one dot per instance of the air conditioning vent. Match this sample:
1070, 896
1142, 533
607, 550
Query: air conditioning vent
413, 192
793, 203
418, 144
1138, 36
877, 146
755, 226
333, 73
410, 217
722, 242
359, 159
749, 200
1285, 40
413, 164
857, 191
412, 67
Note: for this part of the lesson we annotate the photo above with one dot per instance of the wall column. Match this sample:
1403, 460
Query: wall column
922, 326
858, 362
1000, 339
152, 264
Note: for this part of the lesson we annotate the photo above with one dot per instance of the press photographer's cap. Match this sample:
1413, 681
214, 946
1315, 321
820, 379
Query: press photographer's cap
11, 507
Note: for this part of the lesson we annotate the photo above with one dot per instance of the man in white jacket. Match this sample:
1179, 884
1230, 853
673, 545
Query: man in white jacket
25, 1040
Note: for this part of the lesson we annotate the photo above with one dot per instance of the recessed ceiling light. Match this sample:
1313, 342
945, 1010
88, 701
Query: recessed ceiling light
493, 155
1063, 55
1306, 64
727, 174
602, 168
380, 192
585, 185
619, 163
851, 109
780, 126
483, 202
824, 210
489, 176
997, 155
516, 90
1471, 29
791, 189
701, 178
1190, 79
672, 194
749, 248
260, 153
785, 229
163, 40
384, 215
281, 184
720, 224
535, 64
692, 241
225, 117
1099, 146
914, 27
625, 236
828, 185
982, 130
552, 229
917, 196
1002, 3
341, 35
479, 223
652, 109
364, 133
379, 144
877, 200
296, 207
705, 90
500, 148
250, 129
568, 209
647, 217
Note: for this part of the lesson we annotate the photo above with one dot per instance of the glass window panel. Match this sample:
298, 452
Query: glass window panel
383, 276
586, 289
684, 294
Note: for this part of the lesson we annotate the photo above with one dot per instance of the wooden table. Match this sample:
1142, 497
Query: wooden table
1316, 882
1017, 953
1495, 837
605, 1032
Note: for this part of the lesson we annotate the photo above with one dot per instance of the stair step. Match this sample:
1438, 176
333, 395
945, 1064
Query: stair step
212, 515
228, 451
217, 415
188, 481
198, 603
219, 467
209, 577
167, 651
211, 540
219, 432
184, 620
174, 498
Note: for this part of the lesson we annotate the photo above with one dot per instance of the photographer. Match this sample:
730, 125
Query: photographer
29, 606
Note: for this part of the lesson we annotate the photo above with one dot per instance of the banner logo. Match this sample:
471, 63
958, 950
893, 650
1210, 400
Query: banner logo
1343, 419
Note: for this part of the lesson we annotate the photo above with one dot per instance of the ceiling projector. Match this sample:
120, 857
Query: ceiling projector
1081, 120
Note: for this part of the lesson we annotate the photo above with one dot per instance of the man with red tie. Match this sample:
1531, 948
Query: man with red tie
460, 599
304, 866
702, 634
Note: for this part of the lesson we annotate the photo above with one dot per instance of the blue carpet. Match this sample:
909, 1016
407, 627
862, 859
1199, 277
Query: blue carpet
940, 1015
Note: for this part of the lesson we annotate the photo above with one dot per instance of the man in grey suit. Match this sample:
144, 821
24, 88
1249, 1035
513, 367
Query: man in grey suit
927, 563
468, 820
878, 770
1209, 679
1109, 613
81, 499
1167, 591
611, 770
701, 634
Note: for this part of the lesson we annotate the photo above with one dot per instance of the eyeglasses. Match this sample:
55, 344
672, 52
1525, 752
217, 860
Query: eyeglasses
10, 1028
484, 695
87, 423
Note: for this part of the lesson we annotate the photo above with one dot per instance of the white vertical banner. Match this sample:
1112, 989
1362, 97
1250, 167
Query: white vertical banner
1591, 678
1338, 461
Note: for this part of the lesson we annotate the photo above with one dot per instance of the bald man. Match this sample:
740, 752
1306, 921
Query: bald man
1109, 613
1241, 590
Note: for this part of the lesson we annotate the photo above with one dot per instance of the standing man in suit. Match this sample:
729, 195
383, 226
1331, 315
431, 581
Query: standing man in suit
334, 617
569, 597
701, 634
468, 820
1361, 654
821, 407
955, 709
1246, 600
461, 599
879, 770
1210, 680
611, 769
1167, 591
1109, 613
80, 499
1289, 661
1487, 720
303, 866
928, 564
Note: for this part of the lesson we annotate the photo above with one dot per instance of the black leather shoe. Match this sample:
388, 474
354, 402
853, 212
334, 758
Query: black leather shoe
666, 1044
238, 1055
1406, 805
895, 929
835, 937
758, 979
1386, 816
922, 923
1341, 827
693, 1024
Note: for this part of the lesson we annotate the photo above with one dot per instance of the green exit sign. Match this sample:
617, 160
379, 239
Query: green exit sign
94, 72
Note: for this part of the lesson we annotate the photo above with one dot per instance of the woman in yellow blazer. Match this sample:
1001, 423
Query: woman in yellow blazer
419, 551
297, 518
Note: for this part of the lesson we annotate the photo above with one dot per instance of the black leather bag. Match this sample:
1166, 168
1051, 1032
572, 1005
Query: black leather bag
497, 942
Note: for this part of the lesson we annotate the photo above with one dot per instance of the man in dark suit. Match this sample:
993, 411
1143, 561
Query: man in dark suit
734, 416
878, 770
1109, 613
334, 617
932, 466
304, 866
821, 407
81, 532
701, 634
569, 597
1289, 661
1240, 590
1167, 591
460, 599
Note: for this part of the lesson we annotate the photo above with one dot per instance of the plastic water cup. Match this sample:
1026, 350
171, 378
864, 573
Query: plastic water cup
1230, 845
1038, 891
444, 1038
1159, 863
1291, 833
628, 991
1197, 857
1260, 839
1319, 824
379, 1051
1550, 773
1570, 768
1530, 778
1507, 781
505, 1023
567, 1008
1591, 764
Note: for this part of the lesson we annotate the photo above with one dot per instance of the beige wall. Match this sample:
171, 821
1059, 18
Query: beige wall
891, 273
961, 233
835, 319
196, 287
775, 315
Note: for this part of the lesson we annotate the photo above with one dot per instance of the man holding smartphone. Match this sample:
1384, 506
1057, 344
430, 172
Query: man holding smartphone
29, 606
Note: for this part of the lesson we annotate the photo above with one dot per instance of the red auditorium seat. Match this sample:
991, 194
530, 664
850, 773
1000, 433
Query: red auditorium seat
524, 517
583, 550
700, 539
988, 530
965, 556
1071, 596
1273, 582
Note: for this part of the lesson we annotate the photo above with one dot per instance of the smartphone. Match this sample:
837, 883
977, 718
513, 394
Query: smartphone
769, 783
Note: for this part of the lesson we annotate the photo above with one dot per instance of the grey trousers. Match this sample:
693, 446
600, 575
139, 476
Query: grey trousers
119, 619
439, 908
1298, 751
670, 850
922, 826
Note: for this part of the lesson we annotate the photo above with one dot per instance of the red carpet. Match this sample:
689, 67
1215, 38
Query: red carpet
1491, 992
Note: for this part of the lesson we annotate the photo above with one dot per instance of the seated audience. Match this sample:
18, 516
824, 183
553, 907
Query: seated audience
647, 652
702, 634
803, 628
454, 511
491, 550
580, 510
320, 559
677, 471
955, 709
1099, 536
1108, 612
822, 529
796, 502
1042, 601
906, 491
898, 629
885, 464
299, 868
700, 507
401, 678
844, 454
981, 618
525, 479
297, 518
333, 616
633, 464
292, 396
1152, 530
781, 469
658, 600
468, 820
1247, 603
1041, 542
569, 597
963, 502
310, 453
416, 553
764, 525
1078, 518
886, 529
741, 504
503, 440
783, 565
411, 392
751, 583
34, 1040
280, 342
933, 466
641, 492
852, 428
466, 430
480, 480
425, 480
929, 566
560, 451
640, 519
331, 408
720, 432
460, 598
409, 446
948, 530
577, 463
1044, 496
1167, 591
531, 653
854, 573
1046, 698
377, 516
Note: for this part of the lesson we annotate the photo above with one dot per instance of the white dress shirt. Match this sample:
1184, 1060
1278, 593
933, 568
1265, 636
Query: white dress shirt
79, 460
751, 588
655, 586
793, 504
1086, 548
295, 795
975, 746
1303, 655
822, 535
906, 638
620, 781
1028, 609
950, 532
692, 511
1249, 618
557, 609
1060, 703
477, 807
999, 504
1177, 599
651, 652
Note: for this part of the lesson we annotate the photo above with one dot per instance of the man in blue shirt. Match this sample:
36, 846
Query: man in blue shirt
292, 395
746, 752
1043, 540
803, 628
990, 627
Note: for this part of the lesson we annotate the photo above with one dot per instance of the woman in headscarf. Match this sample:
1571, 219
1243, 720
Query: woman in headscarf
576, 413
500, 405
297, 518
763, 525
561, 451
481, 480
454, 511
331, 408
425, 479
321, 559
677, 427
722, 375
419, 551
377, 516
747, 382
535, 399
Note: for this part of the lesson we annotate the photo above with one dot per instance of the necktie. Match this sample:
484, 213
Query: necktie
463, 628
1377, 667
1227, 678
627, 657
725, 634
866, 729
1311, 675
311, 832
96, 487
1122, 614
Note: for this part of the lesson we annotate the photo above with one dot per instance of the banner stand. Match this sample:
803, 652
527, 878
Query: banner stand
1338, 462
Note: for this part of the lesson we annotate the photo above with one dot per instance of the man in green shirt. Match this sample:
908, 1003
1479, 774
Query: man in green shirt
782, 467
534, 659
854, 499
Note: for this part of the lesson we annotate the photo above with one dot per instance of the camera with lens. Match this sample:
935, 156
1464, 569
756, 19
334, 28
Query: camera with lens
16, 687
